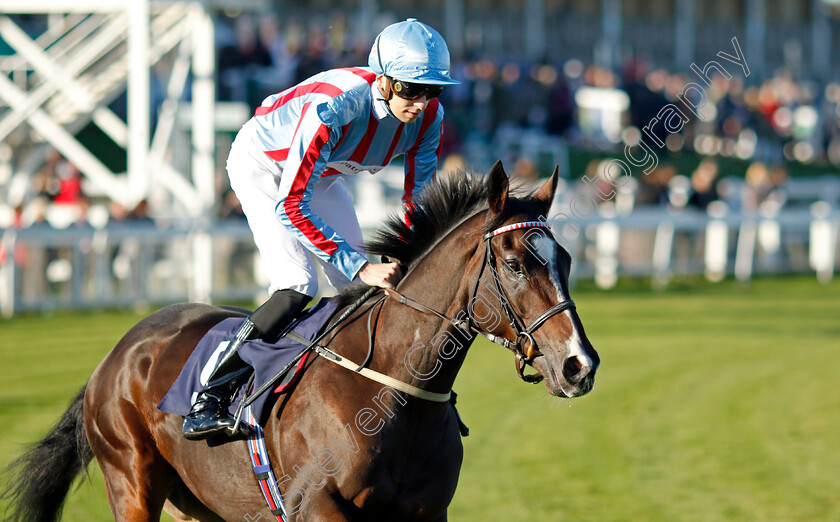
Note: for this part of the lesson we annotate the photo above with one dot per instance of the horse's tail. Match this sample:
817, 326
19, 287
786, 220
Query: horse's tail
43, 474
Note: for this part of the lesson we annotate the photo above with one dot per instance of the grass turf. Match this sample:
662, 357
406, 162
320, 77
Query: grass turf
713, 402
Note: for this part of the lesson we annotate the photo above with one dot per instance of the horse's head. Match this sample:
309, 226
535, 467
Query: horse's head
528, 271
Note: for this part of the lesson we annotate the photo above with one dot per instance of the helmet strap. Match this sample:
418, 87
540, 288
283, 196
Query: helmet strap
386, 96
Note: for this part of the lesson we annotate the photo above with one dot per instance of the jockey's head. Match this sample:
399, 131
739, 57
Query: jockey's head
411, 62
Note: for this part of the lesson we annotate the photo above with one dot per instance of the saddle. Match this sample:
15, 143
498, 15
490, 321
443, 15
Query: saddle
267, 359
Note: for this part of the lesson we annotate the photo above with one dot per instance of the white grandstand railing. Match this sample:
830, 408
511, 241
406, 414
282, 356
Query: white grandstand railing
660, 243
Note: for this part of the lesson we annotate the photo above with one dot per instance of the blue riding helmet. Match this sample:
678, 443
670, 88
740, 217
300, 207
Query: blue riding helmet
413, 52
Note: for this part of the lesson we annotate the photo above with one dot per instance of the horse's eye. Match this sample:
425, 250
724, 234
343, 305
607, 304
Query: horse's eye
514, 266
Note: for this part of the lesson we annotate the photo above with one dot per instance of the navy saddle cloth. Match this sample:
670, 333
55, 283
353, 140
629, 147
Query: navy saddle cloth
266, 358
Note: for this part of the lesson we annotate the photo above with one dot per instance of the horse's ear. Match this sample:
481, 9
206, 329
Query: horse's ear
497, 188
545, 195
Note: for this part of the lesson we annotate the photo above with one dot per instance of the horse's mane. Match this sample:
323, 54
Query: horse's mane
442, 206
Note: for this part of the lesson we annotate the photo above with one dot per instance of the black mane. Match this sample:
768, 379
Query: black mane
443, 205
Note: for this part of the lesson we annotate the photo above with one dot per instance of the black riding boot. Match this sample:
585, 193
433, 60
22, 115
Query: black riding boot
272, 318
209, 414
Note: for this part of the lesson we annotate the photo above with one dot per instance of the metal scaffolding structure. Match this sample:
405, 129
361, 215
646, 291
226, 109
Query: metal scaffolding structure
92, 52
64, 78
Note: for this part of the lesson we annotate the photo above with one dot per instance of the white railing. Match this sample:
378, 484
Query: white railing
126, 264
661, 243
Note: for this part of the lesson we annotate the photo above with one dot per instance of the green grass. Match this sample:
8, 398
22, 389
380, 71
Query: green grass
713, 403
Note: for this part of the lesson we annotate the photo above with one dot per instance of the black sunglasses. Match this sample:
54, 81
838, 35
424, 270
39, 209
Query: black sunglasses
412, 91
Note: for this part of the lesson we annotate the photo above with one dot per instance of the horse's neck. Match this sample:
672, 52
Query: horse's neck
428, 351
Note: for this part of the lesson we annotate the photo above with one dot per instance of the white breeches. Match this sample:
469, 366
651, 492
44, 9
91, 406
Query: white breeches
255, 179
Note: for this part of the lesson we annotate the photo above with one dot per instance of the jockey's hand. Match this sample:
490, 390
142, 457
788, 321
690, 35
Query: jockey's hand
383, 275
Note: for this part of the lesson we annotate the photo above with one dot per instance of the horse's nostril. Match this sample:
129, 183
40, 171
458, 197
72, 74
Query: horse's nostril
572, 369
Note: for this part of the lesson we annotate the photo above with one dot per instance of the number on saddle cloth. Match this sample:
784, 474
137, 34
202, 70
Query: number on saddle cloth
266, 358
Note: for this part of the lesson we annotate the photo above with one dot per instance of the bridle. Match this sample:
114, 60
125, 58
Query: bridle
524, 346
524, 354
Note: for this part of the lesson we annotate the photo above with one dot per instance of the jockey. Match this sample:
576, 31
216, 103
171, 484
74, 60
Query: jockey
287, 165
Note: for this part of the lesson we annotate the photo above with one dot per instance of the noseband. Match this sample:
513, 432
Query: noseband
524, 346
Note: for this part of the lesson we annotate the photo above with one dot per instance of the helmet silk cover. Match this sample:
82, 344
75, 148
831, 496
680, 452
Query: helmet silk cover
413, 52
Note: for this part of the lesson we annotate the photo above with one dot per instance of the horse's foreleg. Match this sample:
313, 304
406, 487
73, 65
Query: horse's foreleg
176, 513
327, 507
321, 505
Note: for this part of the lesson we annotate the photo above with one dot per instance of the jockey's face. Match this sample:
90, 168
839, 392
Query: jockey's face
405, 110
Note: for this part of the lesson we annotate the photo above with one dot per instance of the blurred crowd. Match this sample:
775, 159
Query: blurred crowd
779, 119
60, 198
763, 189
777, 122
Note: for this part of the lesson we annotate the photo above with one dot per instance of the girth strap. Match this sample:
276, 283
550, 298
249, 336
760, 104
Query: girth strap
263, 471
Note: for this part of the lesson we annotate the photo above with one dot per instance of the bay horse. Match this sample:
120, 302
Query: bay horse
346, 447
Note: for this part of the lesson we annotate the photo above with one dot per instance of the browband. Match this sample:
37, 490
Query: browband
516, 226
